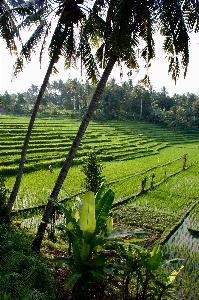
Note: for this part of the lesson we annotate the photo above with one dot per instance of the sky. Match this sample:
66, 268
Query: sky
158, 72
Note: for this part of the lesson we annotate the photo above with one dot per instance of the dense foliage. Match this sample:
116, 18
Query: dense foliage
23, 275
118, 102
92, 170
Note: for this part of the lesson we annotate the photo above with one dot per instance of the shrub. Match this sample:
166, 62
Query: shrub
22, 274
92, 170
106, 263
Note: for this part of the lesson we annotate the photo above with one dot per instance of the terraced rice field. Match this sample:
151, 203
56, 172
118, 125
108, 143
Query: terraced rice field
129, 152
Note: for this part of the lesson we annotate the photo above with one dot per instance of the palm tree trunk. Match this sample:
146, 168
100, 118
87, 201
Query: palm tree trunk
36, 244
15, 189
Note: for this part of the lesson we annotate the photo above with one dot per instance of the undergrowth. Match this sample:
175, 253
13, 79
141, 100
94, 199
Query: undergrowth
23, 275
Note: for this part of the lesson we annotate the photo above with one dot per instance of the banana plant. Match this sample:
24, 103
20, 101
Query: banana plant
90, 231
148, 277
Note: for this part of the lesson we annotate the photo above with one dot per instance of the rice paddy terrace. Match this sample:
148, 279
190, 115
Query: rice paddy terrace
131, 153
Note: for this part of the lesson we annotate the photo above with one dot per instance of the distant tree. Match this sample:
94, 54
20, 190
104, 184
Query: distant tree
110, 101
164, 100
6, 101
31, 94
141, 102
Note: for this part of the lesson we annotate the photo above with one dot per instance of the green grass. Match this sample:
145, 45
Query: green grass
128, 151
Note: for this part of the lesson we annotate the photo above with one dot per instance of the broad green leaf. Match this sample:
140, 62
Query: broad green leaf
63, 260
134, 240
156, 258
71, 280
70, 226
87, 220
76, 253
67, 215
98, 274
121, 233
109, 224
173, 275
156, 249
75, 214
100, 260
103, 207
113, 269
194, 233
98, 248
84, 251
99, 194
173, 261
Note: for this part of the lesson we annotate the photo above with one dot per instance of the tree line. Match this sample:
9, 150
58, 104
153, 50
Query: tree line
118, 102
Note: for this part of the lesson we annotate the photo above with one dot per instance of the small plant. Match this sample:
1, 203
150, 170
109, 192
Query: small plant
92, 170
143, 183
148, 278
152, 180
184, 161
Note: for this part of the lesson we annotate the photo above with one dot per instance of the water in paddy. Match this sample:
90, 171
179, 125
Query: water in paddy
182, 245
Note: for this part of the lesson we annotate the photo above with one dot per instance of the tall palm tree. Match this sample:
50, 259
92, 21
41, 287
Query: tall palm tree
126, 23
62, 43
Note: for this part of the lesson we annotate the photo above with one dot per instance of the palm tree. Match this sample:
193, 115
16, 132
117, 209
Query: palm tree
127, 22
62, 43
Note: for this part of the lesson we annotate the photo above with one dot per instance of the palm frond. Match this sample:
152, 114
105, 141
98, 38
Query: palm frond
100, 56
10, 14
176, 43
190, 10
69, 49
88, 59
8, 26
30, 46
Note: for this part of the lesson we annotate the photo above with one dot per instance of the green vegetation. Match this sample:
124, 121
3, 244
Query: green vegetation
128, 152
118, 102
92, 170
23, 275
100, 254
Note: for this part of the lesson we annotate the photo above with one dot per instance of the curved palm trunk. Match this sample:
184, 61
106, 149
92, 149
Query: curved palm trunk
36, 245
14, 192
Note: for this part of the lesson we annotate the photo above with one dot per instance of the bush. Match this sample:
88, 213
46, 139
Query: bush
22, 274
92, 170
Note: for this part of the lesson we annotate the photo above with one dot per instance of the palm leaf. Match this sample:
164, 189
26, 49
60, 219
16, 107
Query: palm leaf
88, 59
8, 25
176, 42
30, 47
121, 233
